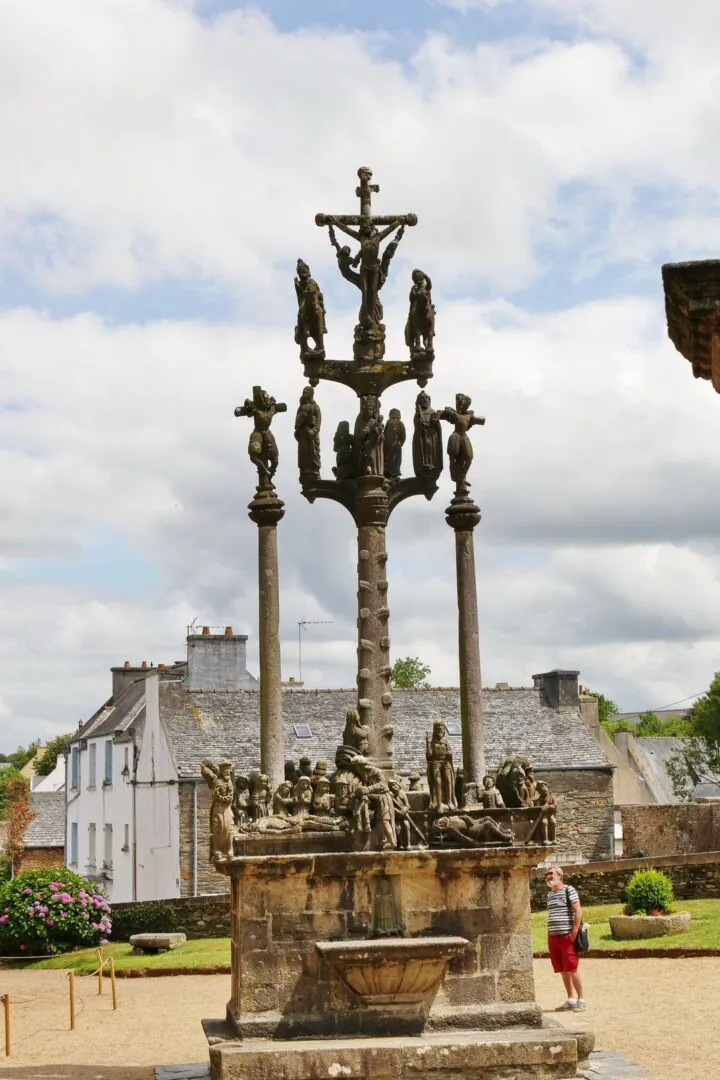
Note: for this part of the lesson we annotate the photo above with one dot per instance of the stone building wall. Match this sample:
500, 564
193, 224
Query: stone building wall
680, 828
41, 858
196, 916
208, 879
585, 814
694, 877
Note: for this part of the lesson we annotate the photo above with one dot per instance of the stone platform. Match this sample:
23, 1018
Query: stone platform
520, 1054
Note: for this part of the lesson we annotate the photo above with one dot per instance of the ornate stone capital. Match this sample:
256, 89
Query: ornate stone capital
266, 508
462, 514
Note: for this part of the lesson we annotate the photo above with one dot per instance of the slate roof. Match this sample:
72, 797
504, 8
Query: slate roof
47, 828
226, 724
125, 715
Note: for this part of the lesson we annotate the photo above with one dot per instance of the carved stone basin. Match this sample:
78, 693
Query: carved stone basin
392, 971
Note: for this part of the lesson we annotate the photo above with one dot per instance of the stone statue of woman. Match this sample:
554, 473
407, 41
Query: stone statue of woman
427, 439
394, 441
420, 325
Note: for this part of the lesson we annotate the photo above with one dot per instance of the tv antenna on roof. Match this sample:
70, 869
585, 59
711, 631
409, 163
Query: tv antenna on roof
302, 623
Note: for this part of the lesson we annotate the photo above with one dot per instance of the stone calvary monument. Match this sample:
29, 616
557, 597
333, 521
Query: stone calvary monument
377, 930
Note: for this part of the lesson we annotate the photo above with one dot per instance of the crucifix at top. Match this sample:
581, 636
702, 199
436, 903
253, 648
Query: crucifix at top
368, 268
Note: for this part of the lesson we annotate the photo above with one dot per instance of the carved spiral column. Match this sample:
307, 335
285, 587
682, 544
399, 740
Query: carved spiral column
374, 696
266, 511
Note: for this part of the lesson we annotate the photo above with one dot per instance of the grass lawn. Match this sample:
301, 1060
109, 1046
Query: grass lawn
205, 954
703, 933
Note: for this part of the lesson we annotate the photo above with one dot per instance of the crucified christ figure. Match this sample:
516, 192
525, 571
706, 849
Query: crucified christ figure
262, 448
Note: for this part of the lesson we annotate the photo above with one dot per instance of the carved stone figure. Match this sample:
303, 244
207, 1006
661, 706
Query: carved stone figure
345, 456
420, 325
320, 771
346, 263
322, 800
490, 796
548, 824
377, 791
221, 782
369, 437
440, 770
262, 448
414, 781
291, 772
394, 442
530, 781
342, 797
283, 801
311, 312
427, 438
240, 801
408, 834
307, 434
355, 733
303, 795
460, 451
305, 766
460, 794
511, 782
260, 800
462, 830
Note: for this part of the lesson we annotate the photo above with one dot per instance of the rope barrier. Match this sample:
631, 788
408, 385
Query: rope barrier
103, 962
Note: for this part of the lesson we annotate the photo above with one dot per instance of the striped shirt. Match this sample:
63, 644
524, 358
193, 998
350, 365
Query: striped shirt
560, 918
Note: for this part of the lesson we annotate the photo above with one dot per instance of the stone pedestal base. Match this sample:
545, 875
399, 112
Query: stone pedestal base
520, 1053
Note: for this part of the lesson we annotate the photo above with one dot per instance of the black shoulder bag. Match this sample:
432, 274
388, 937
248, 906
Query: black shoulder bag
581, 943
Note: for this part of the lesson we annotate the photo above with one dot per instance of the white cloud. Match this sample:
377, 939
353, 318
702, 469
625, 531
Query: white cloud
153, 144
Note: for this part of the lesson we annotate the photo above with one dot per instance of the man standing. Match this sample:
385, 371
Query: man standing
564, 918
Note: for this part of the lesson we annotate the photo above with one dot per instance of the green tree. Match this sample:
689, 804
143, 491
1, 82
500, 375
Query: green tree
698, 760
607, 709
649, 723
21, 756
409, 673
55, 748
8, 776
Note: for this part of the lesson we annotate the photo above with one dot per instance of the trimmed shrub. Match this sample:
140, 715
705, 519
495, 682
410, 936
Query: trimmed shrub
649, 892
50, 911
143, 918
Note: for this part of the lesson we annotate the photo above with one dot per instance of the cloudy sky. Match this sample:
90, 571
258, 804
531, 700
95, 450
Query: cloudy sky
162, 164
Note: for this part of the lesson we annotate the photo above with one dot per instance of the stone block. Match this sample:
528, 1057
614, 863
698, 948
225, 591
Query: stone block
254, 934
472, 1055
155, 943
469, 989
516, 986
506, 952
469, 923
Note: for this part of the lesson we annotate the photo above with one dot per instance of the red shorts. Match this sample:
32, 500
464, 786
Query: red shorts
562, 952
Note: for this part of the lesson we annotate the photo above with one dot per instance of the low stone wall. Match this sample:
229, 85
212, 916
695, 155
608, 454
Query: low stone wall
649, 831
694, 877
198, 917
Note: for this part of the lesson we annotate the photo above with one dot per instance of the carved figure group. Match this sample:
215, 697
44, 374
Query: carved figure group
308, 419
427, 450
463, 830
311, 312
262, 448
460, 451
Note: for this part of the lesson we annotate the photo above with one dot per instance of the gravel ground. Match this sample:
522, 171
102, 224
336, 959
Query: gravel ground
659, 1013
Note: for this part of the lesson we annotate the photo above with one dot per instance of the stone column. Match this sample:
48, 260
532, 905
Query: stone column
374, 696
266, 510
462, 516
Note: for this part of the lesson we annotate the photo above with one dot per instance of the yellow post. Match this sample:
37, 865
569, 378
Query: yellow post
112, 982
6, 1007
100, 970
71, 983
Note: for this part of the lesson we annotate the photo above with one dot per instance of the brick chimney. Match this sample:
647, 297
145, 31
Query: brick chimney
218, 661
559, 688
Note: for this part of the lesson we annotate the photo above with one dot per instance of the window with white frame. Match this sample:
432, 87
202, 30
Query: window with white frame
93, 765
126, 761
92, 837
73, 843
126, 839
107, 858
108, 761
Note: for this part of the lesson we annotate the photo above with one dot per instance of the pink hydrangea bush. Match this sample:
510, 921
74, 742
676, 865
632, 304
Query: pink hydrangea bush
50, 911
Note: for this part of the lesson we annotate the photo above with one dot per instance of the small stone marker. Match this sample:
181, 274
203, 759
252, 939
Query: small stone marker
156, 943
